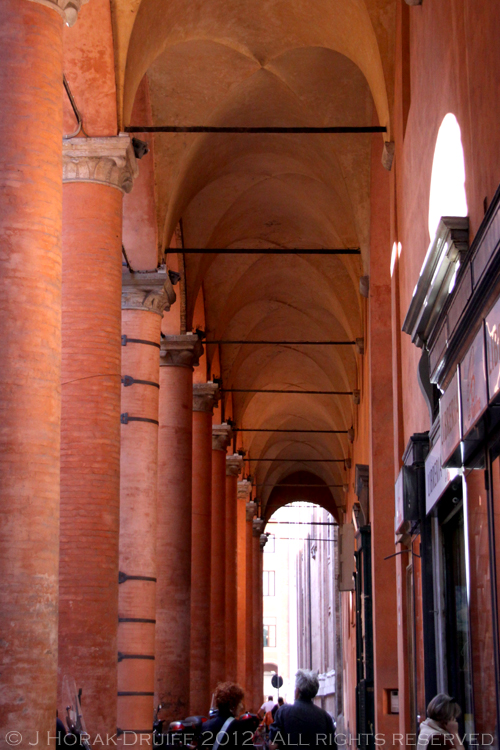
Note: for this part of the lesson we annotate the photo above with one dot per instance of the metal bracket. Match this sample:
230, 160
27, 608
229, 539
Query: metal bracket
129, 380
122, 693
125, 419
136, 619
121, 656
126, 340
122, 577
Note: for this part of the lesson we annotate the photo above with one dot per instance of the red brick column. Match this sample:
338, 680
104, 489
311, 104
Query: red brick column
30, 320
234, 465
243, 494
179, 354
258, 653
144, 298
96, 171
221, 438
204, 395
251, 509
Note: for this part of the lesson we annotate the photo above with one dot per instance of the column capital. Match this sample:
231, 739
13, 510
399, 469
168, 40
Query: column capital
205, 396
234, 465
108, 161
244, 490
68, 9
221, 436
152, 292
257, 527
184, 350
251, 510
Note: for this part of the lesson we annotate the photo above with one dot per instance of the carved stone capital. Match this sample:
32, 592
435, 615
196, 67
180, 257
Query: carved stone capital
234, 465
68, 9
257, 527
244, 490
108, 161
181, 351
152, 292
221, 436
205, 396
251, 510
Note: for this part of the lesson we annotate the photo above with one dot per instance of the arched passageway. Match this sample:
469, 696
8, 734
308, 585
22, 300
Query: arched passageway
201, 324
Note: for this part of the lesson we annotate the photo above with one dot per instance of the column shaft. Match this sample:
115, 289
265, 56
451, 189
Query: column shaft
30, 309
201, 558
90, 447
138, 489
243, 493
258, 687
231, 577
249, 640
218, 558
173, 602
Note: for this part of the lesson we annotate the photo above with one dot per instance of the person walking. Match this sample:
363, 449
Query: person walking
221, 729
266, 707
302, 724
440, 728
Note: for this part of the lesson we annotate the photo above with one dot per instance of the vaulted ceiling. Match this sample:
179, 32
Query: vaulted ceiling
268, 63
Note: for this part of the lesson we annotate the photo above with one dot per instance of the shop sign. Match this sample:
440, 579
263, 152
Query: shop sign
473, 383
399, 496
449, 418
493, 350
437, 479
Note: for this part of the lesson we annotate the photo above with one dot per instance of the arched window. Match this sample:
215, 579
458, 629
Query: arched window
447, 196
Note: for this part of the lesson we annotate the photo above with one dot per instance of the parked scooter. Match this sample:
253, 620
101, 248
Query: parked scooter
184, 733
77, 735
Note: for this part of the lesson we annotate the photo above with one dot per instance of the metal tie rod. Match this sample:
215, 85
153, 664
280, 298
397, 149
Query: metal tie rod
303, 460
264, 129
282, 390
287, 343
296, 251
298, 485
304, 523
315, 432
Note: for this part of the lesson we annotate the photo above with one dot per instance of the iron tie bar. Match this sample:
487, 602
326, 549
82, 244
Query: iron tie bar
264, 129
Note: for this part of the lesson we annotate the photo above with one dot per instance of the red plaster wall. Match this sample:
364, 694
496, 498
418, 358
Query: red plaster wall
454, 53
140, 236
89, 66
381, 450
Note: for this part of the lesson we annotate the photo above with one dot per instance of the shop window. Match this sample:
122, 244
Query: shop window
268, 583
447, 194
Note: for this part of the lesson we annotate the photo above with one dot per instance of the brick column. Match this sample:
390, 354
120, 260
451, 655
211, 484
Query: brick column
251, 509
96, 172
204, 395
30, 319
243, 494
234, 465
179, 354
258, 653
221, 438
145, 296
